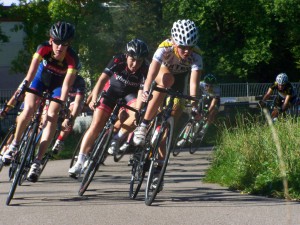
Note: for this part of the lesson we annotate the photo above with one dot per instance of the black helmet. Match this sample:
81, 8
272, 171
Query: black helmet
62, 31
137, 49
210, 79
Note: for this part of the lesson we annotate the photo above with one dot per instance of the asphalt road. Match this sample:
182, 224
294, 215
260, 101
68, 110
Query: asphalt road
184, 200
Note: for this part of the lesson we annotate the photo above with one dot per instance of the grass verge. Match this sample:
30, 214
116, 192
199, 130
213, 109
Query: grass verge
246, 158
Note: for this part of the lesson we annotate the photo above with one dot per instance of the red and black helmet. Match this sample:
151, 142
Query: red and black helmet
137, 49
62, 31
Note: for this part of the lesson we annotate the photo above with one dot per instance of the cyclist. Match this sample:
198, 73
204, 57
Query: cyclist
212, 91
76, 95
123, 77
287, 95
171, 63
12, 103
53, 68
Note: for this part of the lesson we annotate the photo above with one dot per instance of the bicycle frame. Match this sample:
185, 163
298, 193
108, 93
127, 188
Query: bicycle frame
25, 154
165, 132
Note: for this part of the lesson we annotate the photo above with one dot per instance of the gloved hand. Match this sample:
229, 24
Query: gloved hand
3, 114
194, 111
21, 89
262, 103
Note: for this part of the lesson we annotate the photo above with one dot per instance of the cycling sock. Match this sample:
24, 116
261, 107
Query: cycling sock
81, 158
60, 138
119, 135
15, 143
145, 123
37, 161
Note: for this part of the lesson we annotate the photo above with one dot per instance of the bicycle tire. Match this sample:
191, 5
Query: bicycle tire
10, 132
119, 155
141, 162
96, 159
197, 139
150, 193
15, 162
27, 165
29, 145
49, 154
137, 171
45, 160
177, 149
76, 151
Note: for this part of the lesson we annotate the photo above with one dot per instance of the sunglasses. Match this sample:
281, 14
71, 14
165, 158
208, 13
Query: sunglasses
63, 43
184, 48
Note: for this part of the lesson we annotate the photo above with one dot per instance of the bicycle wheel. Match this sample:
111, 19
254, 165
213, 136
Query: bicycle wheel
30, 144
96, 159
16, 161
8, 137
151, 192
29, 161
138, 170
197, 138
177, 149
119, 155
49, 153
45, 160
76, 151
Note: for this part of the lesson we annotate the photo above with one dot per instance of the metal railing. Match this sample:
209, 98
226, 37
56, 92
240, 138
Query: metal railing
248, 89
228, 90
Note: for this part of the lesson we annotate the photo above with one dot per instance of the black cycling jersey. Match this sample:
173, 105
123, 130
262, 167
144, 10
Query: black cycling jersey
122, 81
121, 78
288, 89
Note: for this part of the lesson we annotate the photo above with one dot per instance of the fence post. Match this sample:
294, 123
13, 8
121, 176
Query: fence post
247, 89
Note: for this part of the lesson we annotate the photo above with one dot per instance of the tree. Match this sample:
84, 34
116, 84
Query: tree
3, 14
102, 29
240, 38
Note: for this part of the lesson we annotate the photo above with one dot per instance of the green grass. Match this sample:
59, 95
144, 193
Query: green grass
246, 157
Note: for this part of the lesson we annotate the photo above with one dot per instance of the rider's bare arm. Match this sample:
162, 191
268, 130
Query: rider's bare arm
194, 81
98, 88
152, 73
285, 105
139, 101
213, 104
32, 69
267, 95
68, 82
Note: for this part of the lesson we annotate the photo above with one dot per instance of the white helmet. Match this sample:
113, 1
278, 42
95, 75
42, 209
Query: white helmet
282, 79
184, 32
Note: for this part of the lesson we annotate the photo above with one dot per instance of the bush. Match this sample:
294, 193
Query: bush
246, 157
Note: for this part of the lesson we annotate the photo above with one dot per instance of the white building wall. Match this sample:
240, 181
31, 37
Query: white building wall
8, 51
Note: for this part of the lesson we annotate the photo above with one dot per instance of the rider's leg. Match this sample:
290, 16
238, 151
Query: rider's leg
47, 135
164, 79
25, 116
127, 127
100, 117
23, 120
49, 130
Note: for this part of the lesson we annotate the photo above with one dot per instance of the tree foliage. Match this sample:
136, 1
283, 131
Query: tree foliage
241, 40
250, 40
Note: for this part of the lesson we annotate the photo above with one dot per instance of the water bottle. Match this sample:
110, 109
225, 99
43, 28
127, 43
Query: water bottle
196, 128
154, 137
